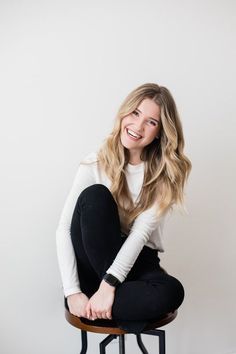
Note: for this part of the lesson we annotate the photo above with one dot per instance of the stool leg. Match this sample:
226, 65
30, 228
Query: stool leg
105, 342
140, 344
162, 341
84, 340
121, 344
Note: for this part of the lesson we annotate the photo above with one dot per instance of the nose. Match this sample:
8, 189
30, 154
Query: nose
139, 127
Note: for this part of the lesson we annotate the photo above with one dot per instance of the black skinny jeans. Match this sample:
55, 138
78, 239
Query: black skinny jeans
147, 292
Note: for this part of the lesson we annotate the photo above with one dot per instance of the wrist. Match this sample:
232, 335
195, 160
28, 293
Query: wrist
74, 295
111, 279
106, 286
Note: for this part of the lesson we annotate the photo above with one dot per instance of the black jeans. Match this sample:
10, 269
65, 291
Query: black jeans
147, 292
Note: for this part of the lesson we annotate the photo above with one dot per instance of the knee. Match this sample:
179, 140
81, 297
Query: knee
96, 194
177, 290
94, 191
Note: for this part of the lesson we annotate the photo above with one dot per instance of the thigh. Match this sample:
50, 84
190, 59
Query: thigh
146, 262
152, 294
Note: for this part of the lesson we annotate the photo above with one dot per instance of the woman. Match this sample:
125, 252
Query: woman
110, 230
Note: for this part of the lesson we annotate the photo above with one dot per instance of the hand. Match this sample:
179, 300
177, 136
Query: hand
100, 304
77, 304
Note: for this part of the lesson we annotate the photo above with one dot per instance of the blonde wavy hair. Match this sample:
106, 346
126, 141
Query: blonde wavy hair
166, 167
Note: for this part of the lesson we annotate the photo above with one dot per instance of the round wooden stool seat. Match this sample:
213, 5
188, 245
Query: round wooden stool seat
110, 326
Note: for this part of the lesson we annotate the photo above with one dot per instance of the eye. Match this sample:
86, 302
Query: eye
153, 123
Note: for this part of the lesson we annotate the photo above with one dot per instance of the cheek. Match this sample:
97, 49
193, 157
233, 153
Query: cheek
124, 122
152, 134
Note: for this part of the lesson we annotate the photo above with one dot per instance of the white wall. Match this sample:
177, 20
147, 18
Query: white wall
65, 68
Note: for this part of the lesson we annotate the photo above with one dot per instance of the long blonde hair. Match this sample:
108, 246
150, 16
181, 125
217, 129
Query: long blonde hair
166, 167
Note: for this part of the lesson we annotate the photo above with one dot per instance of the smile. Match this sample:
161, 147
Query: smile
132, 135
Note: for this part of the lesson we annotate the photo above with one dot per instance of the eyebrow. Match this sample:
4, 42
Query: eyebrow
149, 117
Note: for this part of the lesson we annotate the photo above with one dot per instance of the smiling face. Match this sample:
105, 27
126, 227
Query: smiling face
145, 122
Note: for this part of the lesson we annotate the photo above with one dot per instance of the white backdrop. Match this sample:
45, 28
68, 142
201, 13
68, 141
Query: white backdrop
65, 67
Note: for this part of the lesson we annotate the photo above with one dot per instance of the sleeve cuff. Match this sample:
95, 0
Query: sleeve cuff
121, 279
72, 291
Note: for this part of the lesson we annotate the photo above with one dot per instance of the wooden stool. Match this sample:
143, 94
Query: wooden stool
110, 327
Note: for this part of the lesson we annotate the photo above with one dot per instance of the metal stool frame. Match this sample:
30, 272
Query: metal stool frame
113, 332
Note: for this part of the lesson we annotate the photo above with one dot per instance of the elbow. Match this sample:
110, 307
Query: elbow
62, 232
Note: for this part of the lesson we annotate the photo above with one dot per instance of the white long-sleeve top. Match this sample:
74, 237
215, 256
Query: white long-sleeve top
146, 229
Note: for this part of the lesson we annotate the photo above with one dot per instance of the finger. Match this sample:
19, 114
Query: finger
88, 310
109, 315
104, 315
93, 315
99, 314
87, 306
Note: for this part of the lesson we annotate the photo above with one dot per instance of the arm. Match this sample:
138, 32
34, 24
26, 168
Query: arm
65, 251
139, 234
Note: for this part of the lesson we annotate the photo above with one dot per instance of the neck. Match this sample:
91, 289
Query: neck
135, 162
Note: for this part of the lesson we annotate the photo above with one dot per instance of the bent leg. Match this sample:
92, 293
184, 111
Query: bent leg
152, 295
95, 234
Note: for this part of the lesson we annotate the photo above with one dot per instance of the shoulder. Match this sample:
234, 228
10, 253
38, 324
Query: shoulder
90, 157
86, 168
89, 164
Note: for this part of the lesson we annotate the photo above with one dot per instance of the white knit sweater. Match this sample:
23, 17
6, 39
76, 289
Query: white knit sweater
146, 229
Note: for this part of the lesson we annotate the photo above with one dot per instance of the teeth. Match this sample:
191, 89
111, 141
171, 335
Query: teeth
133, 134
